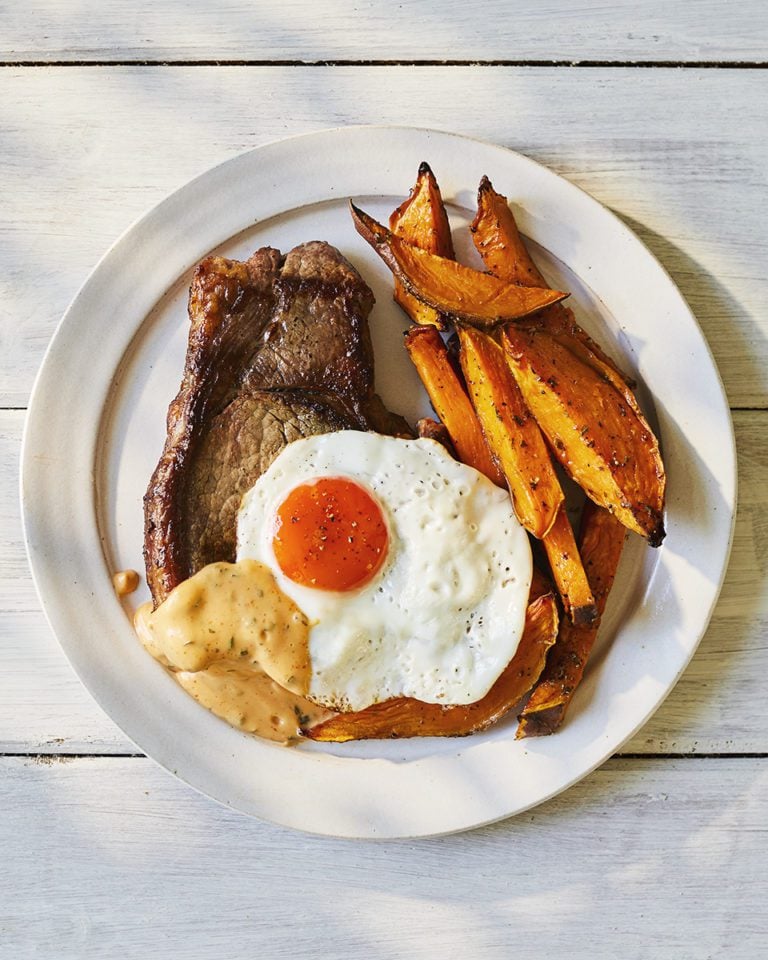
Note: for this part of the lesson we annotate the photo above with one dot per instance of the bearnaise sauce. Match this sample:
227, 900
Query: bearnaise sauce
238, 645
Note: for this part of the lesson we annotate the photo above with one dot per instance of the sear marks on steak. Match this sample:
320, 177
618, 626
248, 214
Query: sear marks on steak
278, 349
434, 430
319, 327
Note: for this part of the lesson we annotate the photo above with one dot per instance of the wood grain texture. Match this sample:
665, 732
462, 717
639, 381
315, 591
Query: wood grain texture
648, 857
717, 707
644, 859
84, 151
707, 30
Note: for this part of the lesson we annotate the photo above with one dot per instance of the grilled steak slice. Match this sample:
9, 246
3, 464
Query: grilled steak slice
239, 445
318, 331
278, 349
434, 430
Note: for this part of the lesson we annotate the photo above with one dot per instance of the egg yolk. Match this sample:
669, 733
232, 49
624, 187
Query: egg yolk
330, 534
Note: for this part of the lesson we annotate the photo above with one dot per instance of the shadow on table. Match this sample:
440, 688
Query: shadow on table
736, 329
129, 850
727, 640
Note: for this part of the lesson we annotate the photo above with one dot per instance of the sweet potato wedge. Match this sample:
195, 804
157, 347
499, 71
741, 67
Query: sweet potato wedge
422, 221
498, 241
450, 401
541, 585
511, 432
602, 441
405, 717
448, 286
590, 353
601, 539
568, 570
520, 445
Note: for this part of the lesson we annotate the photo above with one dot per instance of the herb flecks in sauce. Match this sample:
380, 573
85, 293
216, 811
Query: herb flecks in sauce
238, 645
251, 701
230, 611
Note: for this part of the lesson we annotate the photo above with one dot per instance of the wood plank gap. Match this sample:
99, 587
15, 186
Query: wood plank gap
55, 755
690, 756
592, 64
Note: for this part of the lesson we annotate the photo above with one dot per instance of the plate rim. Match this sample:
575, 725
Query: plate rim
29, 464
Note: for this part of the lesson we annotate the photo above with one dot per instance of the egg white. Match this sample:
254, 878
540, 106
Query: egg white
444, 615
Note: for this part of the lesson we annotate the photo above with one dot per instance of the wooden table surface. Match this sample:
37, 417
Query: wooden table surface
660, 111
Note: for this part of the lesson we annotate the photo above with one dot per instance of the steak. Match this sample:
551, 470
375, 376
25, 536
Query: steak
278, 349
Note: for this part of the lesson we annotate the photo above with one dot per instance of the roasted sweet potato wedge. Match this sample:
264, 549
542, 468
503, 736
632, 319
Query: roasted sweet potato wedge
422, 221
405, 717
568, 570
541, 585
520, 444
498, 241
511, 432
450, 401
448, 286
590, 353
602, 441
601, 539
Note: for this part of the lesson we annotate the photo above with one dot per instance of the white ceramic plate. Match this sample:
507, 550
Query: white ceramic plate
96, 426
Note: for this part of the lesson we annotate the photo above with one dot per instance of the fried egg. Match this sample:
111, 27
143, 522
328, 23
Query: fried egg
411, 567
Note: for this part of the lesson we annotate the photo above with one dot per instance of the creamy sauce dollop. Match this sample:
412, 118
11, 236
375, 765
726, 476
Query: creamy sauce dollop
125, 582
251, 701
238, 645
230, 611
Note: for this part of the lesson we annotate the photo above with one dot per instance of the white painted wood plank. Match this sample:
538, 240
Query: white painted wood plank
645, 859
717, 707
43, 705
680, 154
706, 30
